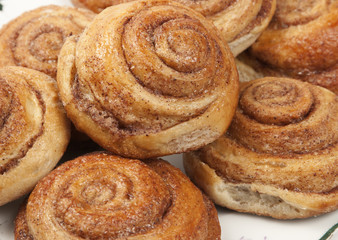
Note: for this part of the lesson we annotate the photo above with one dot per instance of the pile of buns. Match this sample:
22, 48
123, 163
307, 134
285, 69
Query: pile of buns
246, 90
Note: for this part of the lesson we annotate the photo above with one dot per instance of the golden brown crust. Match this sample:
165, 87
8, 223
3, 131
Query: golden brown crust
101, 196
281, 142
301, 42
35, 38
169, 103
240, 21
34, 130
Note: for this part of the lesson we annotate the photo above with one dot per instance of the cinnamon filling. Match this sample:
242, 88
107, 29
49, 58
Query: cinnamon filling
13, 161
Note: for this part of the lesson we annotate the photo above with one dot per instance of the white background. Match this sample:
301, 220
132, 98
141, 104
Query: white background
235, 226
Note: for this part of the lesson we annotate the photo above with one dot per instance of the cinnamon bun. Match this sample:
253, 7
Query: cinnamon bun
34, 39
102, 196
301, 42
34, 130
279, 157
149, 78
240, 21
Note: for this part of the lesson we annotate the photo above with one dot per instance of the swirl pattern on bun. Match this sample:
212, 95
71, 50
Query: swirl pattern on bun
149, 78
240, 21
102, 196
279, 155
34, 130
301, 42
34, 39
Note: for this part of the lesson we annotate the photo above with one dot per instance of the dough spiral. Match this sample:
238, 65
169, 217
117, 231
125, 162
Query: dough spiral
148, 78
301, 42
35, 38
34, 130
101, 196
240, 21
280, 151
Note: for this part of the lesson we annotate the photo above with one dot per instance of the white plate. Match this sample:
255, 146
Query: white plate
235, 226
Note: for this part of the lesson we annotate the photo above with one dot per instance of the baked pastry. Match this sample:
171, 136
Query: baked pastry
102, 196
147, 79
246, 72
35, 38
34, 130
301, 42
279, 157
240, 21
